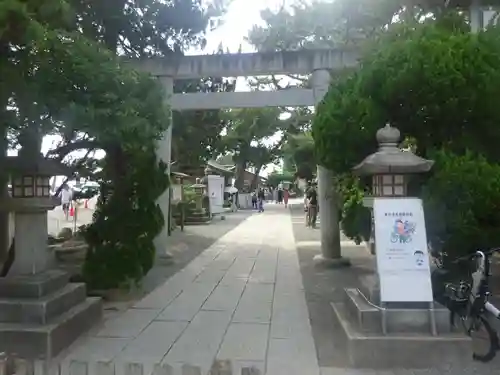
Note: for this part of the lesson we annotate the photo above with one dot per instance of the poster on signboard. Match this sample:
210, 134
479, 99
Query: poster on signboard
216, 193
401, 250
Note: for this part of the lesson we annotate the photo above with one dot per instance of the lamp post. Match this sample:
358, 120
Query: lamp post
391, 169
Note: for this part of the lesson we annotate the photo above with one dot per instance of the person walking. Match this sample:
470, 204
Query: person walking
280, 195
66, 198
254, 200
286, 196
261, 197
312, 206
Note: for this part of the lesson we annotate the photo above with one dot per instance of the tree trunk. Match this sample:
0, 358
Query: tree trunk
240, 175
329, 209
255, 179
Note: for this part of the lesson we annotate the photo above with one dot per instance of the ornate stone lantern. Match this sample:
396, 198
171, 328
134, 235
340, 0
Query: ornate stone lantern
390, 168
34, 322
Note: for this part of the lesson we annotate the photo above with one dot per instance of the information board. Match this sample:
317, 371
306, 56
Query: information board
401, 249
216, 193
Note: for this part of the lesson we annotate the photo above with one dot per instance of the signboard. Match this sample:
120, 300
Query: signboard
216, 193
401, 249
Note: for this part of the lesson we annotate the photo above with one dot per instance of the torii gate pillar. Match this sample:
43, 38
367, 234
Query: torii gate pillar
328, 198
164, 153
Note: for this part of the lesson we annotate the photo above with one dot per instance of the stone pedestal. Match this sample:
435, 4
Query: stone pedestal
415, 335
30, 234
41, 313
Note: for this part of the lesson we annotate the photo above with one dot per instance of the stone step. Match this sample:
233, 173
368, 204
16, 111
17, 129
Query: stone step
197, 222
401, 350
191, 214
46, 341
198, 218
33, 286
43, 310
369, 317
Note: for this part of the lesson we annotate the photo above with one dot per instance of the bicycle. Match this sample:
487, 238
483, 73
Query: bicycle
468, 302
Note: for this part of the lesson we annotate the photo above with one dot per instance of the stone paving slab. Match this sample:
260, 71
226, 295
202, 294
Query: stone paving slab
129, 324
199, 343
245, 342
225, 297
188, 303
154, 341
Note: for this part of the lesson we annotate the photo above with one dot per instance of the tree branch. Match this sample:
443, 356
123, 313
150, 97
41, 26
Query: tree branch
63, 151
78, 165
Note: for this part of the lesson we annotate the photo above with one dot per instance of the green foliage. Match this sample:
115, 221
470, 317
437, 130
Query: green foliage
433, 81
344, 126
147, 27
462, 203
300, 150
197, 134
356, 219
247, 131
56, 80
436, 82
126, 222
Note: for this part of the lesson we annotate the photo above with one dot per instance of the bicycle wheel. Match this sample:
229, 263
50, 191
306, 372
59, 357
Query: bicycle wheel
485, 343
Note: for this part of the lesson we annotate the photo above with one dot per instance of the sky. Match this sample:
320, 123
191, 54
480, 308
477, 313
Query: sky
241, 15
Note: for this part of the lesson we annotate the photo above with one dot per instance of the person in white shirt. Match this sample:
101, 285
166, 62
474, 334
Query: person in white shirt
66, 196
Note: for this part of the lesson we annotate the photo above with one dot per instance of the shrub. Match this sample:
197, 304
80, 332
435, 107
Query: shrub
356, 219
462, 203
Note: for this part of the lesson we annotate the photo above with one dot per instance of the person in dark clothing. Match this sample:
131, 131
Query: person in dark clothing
312, 205
261, 197
254, 200
280, 196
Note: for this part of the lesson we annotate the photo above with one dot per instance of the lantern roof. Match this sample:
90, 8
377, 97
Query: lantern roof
36, 165
390, 159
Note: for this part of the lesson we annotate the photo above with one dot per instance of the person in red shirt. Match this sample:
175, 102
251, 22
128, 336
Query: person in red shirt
286, 195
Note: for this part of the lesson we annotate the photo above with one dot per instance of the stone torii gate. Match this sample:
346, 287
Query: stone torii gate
319, 63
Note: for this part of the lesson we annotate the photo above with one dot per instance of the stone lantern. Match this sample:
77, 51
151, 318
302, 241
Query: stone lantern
199, 189
41, 313
390, 169
30, 200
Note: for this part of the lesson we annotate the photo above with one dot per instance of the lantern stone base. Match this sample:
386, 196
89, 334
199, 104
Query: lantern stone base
320, 260
41, 315
397, 337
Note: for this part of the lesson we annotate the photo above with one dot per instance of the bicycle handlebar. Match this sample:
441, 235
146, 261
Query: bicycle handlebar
472, 256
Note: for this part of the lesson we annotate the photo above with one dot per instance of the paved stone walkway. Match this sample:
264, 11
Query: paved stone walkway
242, 300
